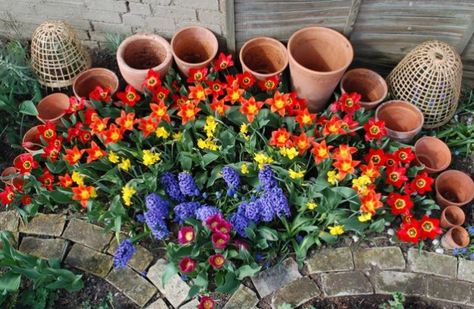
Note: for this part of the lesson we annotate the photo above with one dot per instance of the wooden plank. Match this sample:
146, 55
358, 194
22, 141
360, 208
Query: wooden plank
352, 17
466, 37
230, 25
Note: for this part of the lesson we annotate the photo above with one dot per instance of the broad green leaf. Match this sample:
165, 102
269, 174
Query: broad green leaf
28, 108
247, 271
170, 270
268, 233
10, 281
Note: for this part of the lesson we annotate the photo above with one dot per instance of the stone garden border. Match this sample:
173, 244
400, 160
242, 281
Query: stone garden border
327, 273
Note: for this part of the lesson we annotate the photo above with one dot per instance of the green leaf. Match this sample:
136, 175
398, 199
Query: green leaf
330, 239
28, 108
60, 197
247, 271
170, 270
208, 158
378, 226
230, 284
268, 233
10, 281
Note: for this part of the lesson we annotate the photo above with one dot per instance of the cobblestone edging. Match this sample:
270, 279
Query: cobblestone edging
327, 273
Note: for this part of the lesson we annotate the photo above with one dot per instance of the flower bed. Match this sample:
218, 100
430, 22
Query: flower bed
230, 173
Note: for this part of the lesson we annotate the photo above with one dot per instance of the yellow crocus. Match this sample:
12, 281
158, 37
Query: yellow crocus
336, 230
262, 159
296, 175
125, 164
77, 178
332, 177
150, 158
113, 157
162, 133
311, 205
244, 169
366, 216
127, 193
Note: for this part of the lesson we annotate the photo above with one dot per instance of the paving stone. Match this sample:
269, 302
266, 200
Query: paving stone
449, 290
346, 283
9, 221
296, 293
140, 260
326, 260
388, 282
242, 298
41, 224
175, 290
158, 304
432, 263
89, 260
466, 270
130, 283
193, 304
87, 234
381, 258
53, 248
274, 278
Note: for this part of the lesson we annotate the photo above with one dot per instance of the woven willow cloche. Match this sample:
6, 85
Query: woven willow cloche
429, 77
57, 55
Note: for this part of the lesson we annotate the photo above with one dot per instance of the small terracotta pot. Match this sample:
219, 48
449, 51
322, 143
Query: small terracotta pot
7, 174
454, 188
193, 47
53, 107
433, 153
455, 237
263, 57
32, 136
370, 85
139, 53
86, 82
403, 120
452, 216
318, 57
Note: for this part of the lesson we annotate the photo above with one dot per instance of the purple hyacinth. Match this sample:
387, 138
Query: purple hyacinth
186, 210
124, 253
206, 211
278, 200
171, 186
239, 223
266, 177
187, 185
157, 212
250, 210
470, 229
265, 209
231, 178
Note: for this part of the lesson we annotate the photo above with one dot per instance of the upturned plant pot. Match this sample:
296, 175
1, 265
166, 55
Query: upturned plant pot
318, 58
53, 107
31, 140
141, 52
455, 237
454, 188
370, 85
433, 153
452, 216
263, 57
403, 120
88, 80
193, 48
7, 175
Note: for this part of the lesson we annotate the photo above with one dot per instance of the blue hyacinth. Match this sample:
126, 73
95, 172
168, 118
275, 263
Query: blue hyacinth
265, 209
124, 253
156, 214
250, 210
171, 186
239, 223
206, 211
232, 179
266, 177
186, 210
278, 201
470, 229
187, 185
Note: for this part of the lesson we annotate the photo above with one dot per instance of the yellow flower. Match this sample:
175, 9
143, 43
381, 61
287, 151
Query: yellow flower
262, 159
162, 132
150, 158
244, 168
336, 230
177, 136
311, 205
296, 175
113, 157
210, 126
366, 216
77, 178
207, 144
290, 153
127, 193
332, 177
244, 130
125, 164
361, 183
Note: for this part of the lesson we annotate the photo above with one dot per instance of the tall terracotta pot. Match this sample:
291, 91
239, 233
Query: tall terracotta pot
53, 107
455, 237
7, 175
370, 85
318, 57
31, 140
454, 188
433, 153
193, 47
141, 52
452, 216
263, 57
88, 80
403, 120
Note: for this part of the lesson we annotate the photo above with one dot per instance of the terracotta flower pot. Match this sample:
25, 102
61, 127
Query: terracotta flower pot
370, 85
433, 153
263, 57
455, 237
31, 140
139, 53
86, 82
193, 47
7, 175
318, 58
452, 216
454, 188
53, 107
403, 120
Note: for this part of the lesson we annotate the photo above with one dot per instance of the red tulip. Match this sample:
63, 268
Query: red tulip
220, 240
186, 235
187, 265
217, 261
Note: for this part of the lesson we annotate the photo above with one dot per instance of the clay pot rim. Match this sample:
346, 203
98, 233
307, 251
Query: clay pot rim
415, 110
461, 230
445, 147
7, 171
56, 94
34, 128
265, 38
371, 104
195, 64
459, 174
112, 73
299, 65
457, 208
141, 36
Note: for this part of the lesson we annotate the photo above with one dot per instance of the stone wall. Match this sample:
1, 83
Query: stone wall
93, 19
